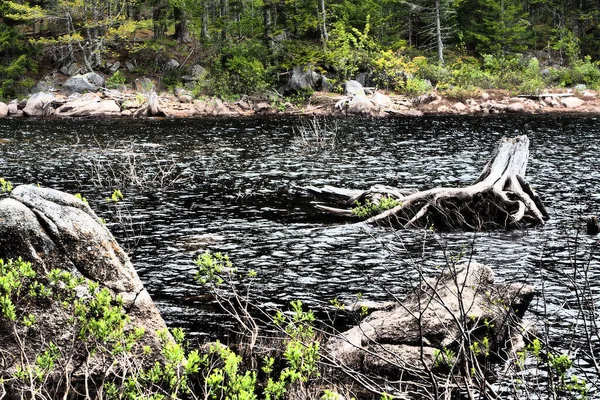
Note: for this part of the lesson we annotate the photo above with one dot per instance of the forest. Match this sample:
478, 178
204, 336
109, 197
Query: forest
251, 46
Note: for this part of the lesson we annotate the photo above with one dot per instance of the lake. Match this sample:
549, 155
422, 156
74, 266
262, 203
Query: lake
229, 185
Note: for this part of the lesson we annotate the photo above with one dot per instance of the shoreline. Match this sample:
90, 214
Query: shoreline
134, 104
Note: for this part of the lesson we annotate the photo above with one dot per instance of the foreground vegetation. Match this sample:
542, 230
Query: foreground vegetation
280, 355
251, 46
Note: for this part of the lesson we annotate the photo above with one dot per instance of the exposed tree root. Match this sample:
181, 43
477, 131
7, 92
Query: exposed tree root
500, 197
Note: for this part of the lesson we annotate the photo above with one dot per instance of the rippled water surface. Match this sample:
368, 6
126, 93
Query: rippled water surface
228, 185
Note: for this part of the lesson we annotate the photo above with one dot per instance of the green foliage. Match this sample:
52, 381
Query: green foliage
369, 209
349, 49
558, 366
242, 68
393, 69
514, 73
386, 396
299, 353
444, 358
416, 87
5, 186
466, 73
115, 197
579, 72
80, 197
493, 27
211, 268
249, 75
116, 80
567, 44
13, 78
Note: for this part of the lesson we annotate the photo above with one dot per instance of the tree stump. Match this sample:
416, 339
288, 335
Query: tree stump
499, 198
592, 225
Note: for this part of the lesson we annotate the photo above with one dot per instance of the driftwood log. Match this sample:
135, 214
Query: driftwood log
499, 198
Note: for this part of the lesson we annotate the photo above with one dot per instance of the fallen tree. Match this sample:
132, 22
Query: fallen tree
500, 197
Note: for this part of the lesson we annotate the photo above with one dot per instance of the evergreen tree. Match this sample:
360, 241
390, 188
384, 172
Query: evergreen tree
494, 27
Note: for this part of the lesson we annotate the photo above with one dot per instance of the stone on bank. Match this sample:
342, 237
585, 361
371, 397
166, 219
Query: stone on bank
56, 231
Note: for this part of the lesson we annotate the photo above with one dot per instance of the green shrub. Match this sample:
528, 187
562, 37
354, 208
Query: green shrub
349, 50
248, 75
392, 70
431, 71
5, 186
466, 73
116, 80
13, 81
239, 69
583, 72
369, 209
459, 93
416, 87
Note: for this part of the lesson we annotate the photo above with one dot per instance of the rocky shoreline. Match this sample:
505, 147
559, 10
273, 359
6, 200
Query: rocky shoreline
89, 98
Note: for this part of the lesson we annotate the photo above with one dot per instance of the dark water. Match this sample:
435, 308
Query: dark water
232, 181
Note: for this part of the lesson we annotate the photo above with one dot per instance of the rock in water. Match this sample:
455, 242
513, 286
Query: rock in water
56, 231
434, 317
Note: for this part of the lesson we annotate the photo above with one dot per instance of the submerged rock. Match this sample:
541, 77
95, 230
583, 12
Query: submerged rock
434, 317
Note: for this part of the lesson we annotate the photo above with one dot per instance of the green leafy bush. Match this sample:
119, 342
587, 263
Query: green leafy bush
369, 209
466, 73
116, 80
416, 87
580, 72
349, 49
248, 75
13, 79
392, 70
431, 71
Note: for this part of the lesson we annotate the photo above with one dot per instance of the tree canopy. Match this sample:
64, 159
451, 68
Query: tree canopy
250, 44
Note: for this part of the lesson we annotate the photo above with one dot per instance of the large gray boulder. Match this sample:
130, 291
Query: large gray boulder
39, 104
303, 80
360, 105
89, 82
3, 110
56, 231
353, 88
434, 317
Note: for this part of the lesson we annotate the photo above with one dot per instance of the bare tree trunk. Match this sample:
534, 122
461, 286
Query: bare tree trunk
500, 197
267, 8
323, 21
224, 12
438, 32
159, 19
205, 18
182, 30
